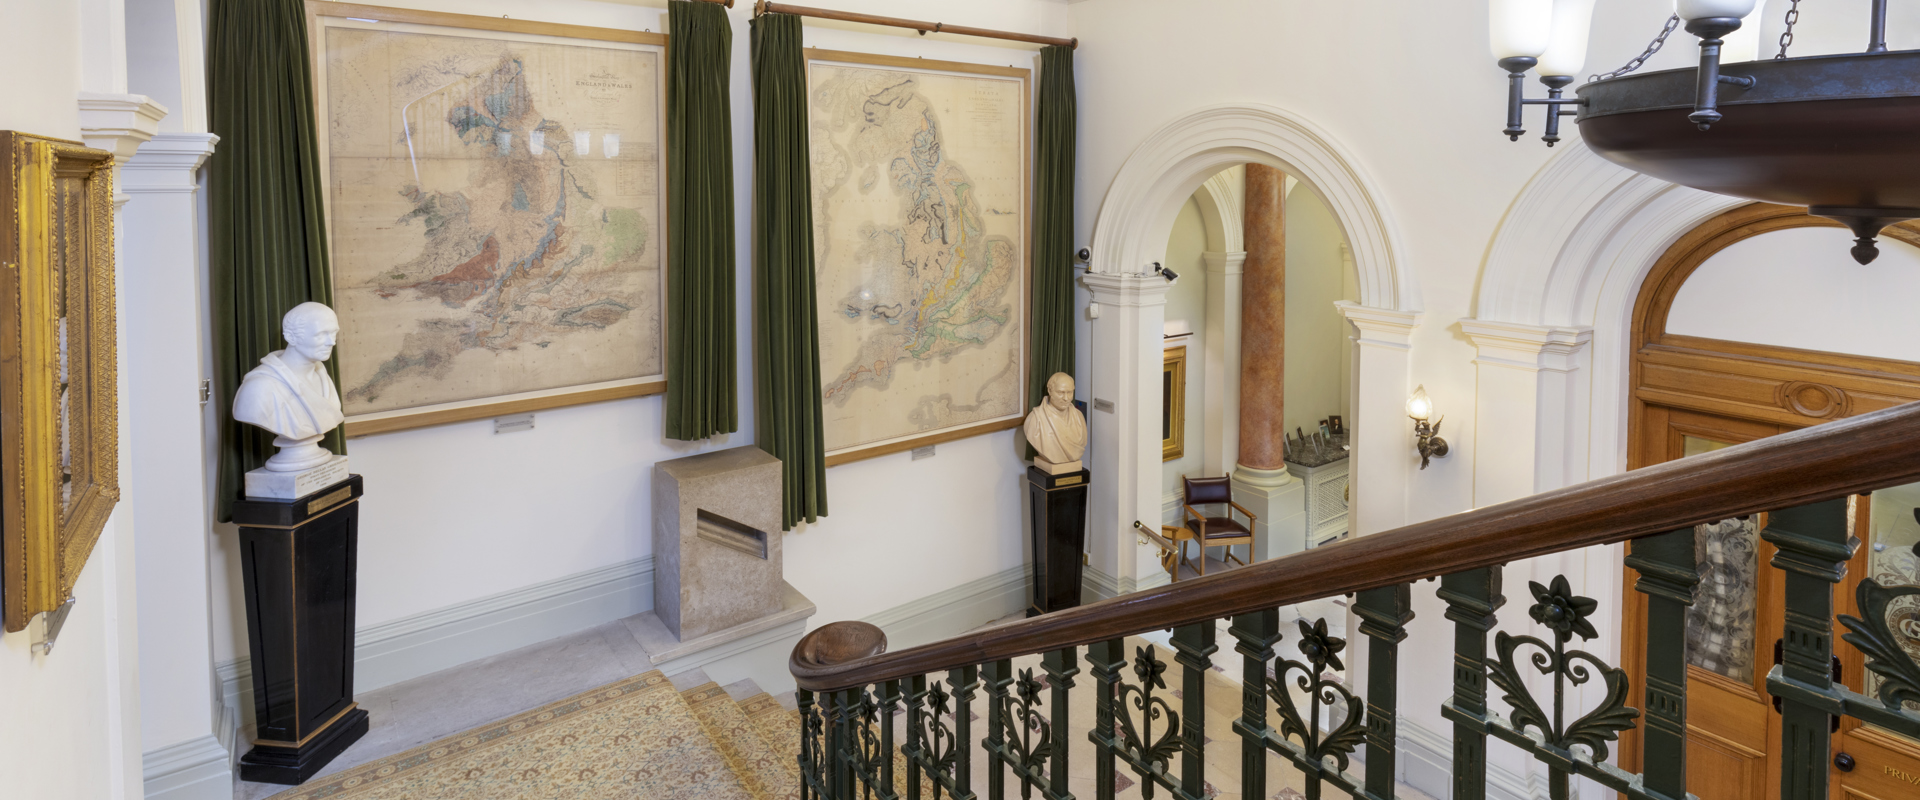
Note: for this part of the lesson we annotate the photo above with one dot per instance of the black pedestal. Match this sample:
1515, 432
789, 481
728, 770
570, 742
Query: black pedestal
1059, 511
299, 560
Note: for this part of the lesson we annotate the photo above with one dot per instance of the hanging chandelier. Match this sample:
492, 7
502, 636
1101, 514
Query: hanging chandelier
1839, 134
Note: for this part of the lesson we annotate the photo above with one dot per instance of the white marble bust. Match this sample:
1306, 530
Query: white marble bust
290, 392
1055, 428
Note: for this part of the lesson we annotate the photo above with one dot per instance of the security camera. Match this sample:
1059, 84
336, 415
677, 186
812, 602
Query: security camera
1163, 272
1084, 255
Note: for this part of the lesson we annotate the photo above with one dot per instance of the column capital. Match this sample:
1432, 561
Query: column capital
118, 123
1528, 347
1123, 289
1231, 262
167, 163
1380, 326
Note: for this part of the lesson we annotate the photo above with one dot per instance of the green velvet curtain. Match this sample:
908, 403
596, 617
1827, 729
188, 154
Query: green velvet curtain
1053, 157
787, 370
267, 239
702, 399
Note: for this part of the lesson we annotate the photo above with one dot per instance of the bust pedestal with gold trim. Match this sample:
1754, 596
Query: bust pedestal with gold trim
299, 559
1058, 504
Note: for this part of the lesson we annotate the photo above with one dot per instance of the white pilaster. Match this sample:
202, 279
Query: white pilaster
1529, 384
160, 265
1382, 439
1221, 449
1124, 419
118, 123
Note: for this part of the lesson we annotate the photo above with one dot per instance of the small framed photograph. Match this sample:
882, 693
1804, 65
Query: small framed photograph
1335, 425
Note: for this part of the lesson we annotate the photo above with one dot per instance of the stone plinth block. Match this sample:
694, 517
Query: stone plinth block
716, 540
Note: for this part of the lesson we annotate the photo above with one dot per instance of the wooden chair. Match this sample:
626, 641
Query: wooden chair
1221, 531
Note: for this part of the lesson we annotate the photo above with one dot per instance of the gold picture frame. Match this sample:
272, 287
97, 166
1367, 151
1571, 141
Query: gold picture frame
1173, 403
563, 47
59, 427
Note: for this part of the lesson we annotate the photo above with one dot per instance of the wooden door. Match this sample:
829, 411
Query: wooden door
1732, 731
1872, 763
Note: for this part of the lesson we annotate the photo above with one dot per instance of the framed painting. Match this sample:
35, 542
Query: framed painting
1173, 403
921, 194
494, 211
59, 426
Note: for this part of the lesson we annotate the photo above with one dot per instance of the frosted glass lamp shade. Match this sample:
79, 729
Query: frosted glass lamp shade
1419, 406
1690, 10
1566, 51
1519, 28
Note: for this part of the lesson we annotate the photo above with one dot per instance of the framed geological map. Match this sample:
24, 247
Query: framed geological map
493, 194
920, 203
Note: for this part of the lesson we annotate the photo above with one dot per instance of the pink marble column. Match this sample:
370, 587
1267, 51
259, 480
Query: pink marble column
1263, 317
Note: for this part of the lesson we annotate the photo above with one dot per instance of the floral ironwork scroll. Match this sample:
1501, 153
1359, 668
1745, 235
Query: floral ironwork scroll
1566, 614
1147, 754
1322, 651
1875, 636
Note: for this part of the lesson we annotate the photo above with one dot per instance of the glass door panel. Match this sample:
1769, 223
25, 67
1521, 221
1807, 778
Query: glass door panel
1893, 537
1721, 622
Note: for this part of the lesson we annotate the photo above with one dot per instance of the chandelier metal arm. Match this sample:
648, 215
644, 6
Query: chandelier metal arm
1517, 100
1877, 28
1706, 100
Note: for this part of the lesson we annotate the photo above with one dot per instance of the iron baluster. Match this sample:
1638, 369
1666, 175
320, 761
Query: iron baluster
998, 675
1669, 571
1565, 613
1194, 647
1384, 614
1106, 662
840, 745
1257, 633
1472, 598
1061, 666
1813, 551
1026, 742
811, 780
1148, 753
889, 703
917, 749
1322, 651
965, 681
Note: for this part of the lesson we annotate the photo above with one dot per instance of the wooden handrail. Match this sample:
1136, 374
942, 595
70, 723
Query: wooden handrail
1860, 454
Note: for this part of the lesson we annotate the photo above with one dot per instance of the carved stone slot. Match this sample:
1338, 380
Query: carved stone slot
728, 533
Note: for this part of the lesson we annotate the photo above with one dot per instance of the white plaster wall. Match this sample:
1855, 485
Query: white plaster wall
70, 725
1316, 333
1799, 288
1187, 310
455, 513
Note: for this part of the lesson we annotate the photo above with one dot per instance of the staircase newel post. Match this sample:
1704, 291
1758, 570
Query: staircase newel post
1106, 661
1257, 633
999, 675
916, 745
1669, 571
889, 704
1061, 666
1194, 647
1384, 614
1814, 550
1472, 598
965, 682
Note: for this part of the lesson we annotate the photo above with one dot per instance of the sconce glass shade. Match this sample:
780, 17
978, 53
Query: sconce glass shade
1566, 51
1691, 10
1519, 28
1419, 406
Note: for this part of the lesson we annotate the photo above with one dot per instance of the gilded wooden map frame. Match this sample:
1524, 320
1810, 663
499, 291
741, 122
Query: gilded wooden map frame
322, 16
1021, 282
59, 420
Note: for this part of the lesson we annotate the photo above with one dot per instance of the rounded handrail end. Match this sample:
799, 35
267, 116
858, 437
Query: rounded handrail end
836, 643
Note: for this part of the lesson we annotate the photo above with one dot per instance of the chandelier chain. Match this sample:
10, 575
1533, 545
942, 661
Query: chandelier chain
1658, 42
1786, 39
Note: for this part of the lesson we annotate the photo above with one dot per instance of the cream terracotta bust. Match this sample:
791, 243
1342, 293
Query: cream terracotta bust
1056, 429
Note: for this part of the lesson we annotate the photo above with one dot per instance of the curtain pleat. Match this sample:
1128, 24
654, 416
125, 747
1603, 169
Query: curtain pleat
787, 370
702, 399
1053, 157
266, 235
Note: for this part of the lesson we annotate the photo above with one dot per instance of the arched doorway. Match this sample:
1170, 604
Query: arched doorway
1698, 384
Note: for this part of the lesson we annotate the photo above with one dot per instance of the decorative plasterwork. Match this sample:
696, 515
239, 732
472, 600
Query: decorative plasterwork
1127, 290
1228, 263
1222, 201
1532, 347
1380, 327
1170, 164
119, 123
167, 164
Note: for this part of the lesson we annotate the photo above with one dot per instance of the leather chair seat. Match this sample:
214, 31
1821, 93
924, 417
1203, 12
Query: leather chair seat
1225, 528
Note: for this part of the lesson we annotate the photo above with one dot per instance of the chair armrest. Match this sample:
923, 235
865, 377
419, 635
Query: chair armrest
1195, 515
1243, 510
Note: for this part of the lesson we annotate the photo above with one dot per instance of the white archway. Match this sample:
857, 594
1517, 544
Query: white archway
1138, 210
1130, 232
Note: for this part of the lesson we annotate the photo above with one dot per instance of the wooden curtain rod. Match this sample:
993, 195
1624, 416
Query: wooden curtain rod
764, 7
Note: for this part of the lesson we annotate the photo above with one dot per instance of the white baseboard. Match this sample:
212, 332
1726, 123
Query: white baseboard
1097, 585
196, 769
410, 647
1426, 763
954, 611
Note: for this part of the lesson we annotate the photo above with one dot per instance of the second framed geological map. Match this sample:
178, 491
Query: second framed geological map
493, 193
920, 203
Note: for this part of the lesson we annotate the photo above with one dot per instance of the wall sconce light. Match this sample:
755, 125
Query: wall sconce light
1427, 437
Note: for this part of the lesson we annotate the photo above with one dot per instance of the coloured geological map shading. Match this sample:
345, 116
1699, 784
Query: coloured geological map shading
495, 213
919, 211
